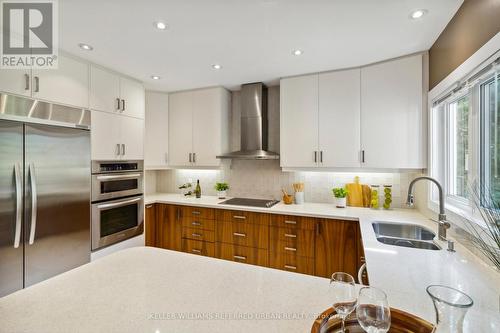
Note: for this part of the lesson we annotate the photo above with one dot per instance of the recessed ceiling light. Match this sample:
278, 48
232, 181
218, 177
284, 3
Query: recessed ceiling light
416, 14
297, 52
160, 25
216, 66
85, 47
155, 77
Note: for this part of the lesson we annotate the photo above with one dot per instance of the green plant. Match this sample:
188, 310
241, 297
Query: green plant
221, 186
339, 192
485, 239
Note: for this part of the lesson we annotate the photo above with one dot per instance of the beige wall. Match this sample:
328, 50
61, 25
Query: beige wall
476, 22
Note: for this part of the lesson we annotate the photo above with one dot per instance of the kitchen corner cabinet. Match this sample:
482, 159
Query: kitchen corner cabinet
198, 127
71, 77
297, 244
116, 137
110, 92
391, 114
156, 137
364, 117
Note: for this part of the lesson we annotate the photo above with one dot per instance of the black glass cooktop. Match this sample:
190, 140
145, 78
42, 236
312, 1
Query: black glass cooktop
264, 203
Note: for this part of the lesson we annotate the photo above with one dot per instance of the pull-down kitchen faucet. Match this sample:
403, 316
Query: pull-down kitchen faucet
443, 225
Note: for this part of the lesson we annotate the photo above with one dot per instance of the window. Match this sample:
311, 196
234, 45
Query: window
490, 137
465, 140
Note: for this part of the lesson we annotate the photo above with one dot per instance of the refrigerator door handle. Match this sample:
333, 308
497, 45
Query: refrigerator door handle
33, 203
19, 205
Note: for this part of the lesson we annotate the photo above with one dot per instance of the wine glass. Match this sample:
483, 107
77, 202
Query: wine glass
343, 293
373, 310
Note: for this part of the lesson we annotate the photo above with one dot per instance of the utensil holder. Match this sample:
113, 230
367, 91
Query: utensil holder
299, 198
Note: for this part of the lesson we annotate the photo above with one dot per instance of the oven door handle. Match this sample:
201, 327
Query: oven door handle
115, 177
118, 204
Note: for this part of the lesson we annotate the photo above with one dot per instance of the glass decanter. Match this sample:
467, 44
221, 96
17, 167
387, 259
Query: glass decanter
451, 305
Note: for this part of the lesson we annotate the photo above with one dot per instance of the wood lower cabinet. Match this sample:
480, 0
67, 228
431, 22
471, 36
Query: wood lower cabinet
337, 247
298, 244
151, 226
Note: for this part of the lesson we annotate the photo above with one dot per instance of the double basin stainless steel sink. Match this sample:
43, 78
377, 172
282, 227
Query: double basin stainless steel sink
405, 235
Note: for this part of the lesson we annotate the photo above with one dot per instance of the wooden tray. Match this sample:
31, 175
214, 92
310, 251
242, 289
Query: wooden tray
401, 322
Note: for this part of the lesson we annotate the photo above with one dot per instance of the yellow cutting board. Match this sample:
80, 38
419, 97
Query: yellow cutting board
354, 193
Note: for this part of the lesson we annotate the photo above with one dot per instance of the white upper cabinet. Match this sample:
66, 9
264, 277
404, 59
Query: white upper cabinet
299, 122
15, 81
339, 119
391, 114
68, 84
110, 92
180, 128
156, 136
132, 96
104, 90
115, 137
198, 127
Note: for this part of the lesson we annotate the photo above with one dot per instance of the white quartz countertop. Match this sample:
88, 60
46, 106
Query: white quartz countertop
154, 290
404, 273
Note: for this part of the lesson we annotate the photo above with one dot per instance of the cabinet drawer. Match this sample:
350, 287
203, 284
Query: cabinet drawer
291, 263
242, 217
198, 234
292, 241
246, 234
198, 212
198, 247
297, 222
198, 223
242, 254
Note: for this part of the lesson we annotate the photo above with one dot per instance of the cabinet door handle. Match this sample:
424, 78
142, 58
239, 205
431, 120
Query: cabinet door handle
123, 105
290, 222
26, 82
37, 84
321, 156
194, 157
239, 234
196, 235
318, 231
315, 156
290, 267
362, 156
149, 206
239, 217
178, 214
196, 212
290, 235
240, 257
117, 149
118, 104
290, 249
123, 149
196, 223
190, 159
196, 251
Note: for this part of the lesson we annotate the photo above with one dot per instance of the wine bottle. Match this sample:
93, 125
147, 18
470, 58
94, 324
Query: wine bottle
197, 190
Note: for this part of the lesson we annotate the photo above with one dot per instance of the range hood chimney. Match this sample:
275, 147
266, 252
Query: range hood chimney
254, 128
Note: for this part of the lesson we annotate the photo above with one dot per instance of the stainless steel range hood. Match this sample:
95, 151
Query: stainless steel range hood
254, 127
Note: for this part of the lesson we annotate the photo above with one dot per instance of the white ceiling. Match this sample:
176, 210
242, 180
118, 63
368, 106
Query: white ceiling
252, 39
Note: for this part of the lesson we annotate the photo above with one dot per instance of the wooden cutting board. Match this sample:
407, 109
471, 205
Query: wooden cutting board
354, 193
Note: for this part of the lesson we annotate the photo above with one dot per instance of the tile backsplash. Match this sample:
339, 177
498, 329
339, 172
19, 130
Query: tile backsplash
265, 179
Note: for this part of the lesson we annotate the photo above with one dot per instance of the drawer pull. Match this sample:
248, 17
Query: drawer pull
240, 217
196, 223
290, 249
290, 267
240, 257
149, 206
195, 212
290, 222
290, 235
196, 251
196, 235
238, 234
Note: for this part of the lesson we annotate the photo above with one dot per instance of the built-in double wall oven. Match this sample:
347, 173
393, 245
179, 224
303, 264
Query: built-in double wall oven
117, 201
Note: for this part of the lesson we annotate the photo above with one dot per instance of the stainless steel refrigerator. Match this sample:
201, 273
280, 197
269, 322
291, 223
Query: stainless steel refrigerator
44, 191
